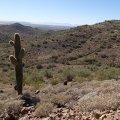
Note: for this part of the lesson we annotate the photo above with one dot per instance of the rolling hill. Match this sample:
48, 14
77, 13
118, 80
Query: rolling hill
88, 44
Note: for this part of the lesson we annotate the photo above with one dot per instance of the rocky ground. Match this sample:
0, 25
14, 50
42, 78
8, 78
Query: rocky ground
94, 100
76, 114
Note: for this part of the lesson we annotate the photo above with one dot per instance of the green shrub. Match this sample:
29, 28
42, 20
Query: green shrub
84, 74
34, 77
54, 81
107, 74
39, 66
91, 61
48, 74
45, 42
68, 74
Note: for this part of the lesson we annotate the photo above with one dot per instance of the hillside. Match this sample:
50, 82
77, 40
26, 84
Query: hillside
66, 73
89, 44
97, 44
88, 51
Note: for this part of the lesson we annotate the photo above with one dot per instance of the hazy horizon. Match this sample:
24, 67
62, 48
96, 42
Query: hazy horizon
47, 23
54, 24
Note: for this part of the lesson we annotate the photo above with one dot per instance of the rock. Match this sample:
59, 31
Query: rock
86, 118
118, 111
65, 82
65, 110
31, 108
24, 110
1, 91
72, 113
94, 119
47, 118
24, 118
117, 116
54, 110
52, 116
57, 118
64, 114
10, 117
114, 108
30, 100
106, 112
77, 118
37, 91
103, 117
2, 115
97, 115
118, 108
59, 115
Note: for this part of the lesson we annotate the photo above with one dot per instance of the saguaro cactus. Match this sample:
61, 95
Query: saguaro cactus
16, 60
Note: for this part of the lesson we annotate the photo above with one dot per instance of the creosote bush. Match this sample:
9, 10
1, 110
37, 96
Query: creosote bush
54, 81
39, 66
35, 77
69, 74
43, 109
48, 74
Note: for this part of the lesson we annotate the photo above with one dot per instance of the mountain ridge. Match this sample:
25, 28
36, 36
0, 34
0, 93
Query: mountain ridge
46, 27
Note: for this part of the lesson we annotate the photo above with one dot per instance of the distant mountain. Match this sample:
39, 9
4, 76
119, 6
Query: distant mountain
47, 27
20, 27
17, 27
44, 27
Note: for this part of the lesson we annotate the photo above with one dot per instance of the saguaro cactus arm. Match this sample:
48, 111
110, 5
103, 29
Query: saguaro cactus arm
13, 60
22, 53
12, 43
17, 61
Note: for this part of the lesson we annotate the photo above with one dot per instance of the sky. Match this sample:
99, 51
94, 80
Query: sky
74, 12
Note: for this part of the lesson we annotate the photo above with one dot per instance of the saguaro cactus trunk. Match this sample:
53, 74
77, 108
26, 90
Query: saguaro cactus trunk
16, 60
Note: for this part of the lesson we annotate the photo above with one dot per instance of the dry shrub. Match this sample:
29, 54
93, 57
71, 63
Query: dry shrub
3, 97
60, 99
48, 89
59, 88
43, 109
1, 107
104, 96
13, 106
100, 102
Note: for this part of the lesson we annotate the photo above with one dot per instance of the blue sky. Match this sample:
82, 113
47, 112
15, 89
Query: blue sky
59, 11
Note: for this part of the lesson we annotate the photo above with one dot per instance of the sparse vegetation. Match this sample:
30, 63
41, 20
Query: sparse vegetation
89, 63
